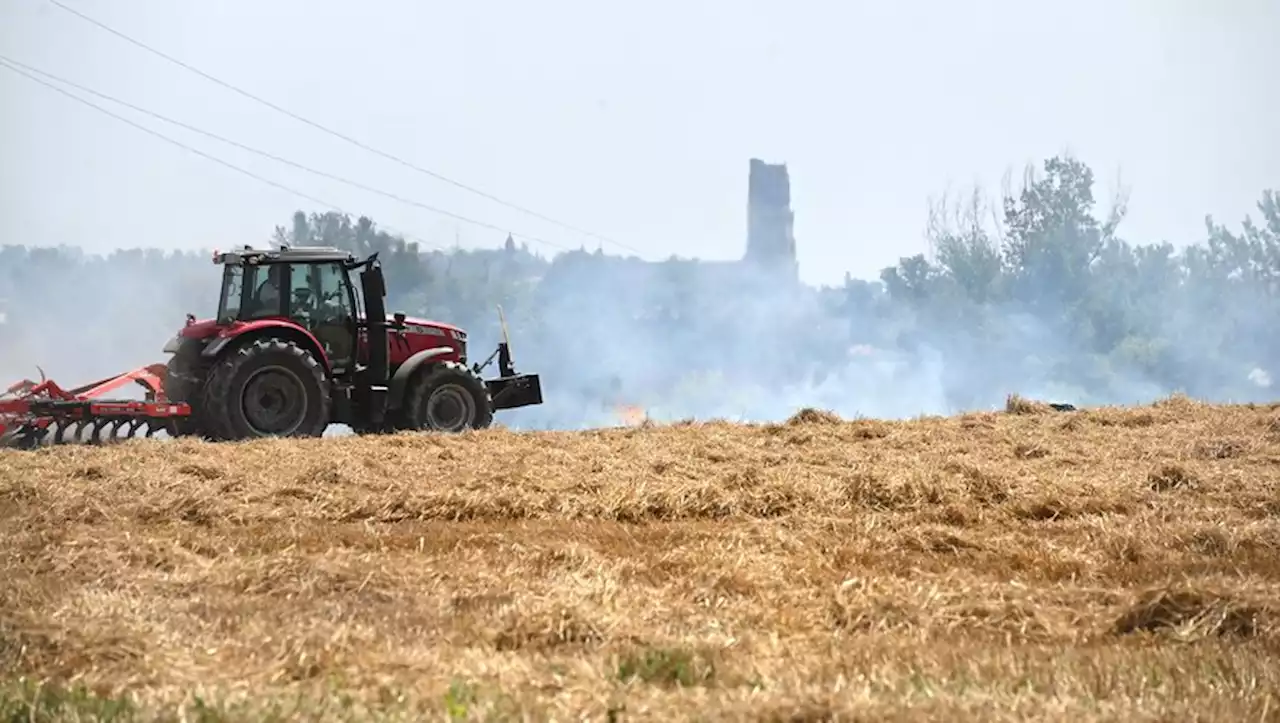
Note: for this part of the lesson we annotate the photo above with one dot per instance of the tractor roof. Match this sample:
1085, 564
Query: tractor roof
282, 255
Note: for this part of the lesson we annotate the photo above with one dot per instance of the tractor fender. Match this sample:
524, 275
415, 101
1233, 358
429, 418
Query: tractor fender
400, 380
236, 334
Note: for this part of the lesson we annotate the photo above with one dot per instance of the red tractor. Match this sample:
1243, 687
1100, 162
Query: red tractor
295, 346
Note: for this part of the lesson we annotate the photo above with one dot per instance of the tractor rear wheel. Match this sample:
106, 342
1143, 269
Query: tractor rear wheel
267, 388
448, 397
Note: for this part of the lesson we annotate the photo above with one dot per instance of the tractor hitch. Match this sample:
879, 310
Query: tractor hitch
510, 390
517, 390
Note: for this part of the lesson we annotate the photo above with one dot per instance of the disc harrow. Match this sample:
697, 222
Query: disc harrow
35, 414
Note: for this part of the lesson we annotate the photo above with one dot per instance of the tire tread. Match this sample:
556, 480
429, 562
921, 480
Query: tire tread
219, 424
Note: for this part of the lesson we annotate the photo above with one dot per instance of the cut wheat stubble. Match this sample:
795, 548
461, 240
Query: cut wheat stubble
1078, 565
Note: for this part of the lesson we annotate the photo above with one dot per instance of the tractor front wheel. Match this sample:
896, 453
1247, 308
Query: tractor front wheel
448, 397
267, 388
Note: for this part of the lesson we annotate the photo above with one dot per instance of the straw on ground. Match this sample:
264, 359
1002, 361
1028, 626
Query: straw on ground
1083, 565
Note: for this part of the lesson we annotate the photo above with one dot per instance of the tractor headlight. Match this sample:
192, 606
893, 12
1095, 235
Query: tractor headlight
173, 344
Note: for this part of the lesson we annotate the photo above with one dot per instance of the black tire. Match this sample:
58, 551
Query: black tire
448, 397
185, 382
291, 378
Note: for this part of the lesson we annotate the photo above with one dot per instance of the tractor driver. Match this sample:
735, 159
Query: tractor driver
266, 300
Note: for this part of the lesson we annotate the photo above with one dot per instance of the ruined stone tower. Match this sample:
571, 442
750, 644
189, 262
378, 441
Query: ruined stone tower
770, 243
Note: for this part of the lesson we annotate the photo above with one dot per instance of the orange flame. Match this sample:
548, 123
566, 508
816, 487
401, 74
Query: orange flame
631, 414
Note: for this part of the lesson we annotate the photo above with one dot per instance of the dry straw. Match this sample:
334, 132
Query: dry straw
1080, 565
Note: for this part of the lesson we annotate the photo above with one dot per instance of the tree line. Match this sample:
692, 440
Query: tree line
1038, 293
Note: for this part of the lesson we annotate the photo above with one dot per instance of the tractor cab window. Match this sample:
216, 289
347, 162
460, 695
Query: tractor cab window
266, 290
229, 301
335, 292
320, 300
318, 291
303, 296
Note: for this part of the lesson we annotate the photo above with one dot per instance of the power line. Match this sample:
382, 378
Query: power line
180, 144
330, 131
265, 154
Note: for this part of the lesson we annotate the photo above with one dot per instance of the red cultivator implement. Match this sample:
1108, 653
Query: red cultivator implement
37, 413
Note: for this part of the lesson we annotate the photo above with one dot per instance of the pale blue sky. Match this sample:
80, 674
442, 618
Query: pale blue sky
636, 121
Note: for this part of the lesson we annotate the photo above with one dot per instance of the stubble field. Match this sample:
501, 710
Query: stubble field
1114, 564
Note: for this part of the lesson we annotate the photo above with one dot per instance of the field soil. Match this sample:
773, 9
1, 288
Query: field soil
1111, 564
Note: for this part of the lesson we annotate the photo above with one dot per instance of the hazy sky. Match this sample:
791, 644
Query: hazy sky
634, 120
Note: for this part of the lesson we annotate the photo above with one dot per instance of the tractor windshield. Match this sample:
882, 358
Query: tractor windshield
232, 287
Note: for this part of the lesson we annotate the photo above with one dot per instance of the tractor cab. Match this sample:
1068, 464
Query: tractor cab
312, 288
309, 287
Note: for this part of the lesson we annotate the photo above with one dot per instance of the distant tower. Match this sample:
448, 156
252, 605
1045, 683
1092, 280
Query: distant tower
770, 242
